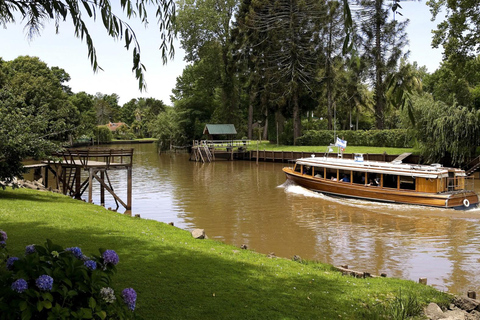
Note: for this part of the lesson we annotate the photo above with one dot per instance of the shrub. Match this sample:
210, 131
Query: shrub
50, 282
102, 134
394, 138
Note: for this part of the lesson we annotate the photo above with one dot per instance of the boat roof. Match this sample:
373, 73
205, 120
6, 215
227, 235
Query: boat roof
433, 171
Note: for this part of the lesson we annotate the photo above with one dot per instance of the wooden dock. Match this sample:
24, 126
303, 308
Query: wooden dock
211, 150
68, 165
286, 156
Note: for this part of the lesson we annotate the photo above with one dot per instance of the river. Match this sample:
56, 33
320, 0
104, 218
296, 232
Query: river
240, 202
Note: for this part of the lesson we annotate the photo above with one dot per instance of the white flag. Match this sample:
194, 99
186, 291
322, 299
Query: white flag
341, 143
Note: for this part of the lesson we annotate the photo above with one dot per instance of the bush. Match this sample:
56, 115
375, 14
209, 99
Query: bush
102, 134
50, 282
394, 138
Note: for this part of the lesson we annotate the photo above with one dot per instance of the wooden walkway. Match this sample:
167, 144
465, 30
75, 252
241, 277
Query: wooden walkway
286, 156
68, 165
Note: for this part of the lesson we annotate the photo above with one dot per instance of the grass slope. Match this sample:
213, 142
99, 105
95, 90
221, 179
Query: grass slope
178, 277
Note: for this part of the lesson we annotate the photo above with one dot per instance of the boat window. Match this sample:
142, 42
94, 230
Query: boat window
373, 179
390, 181
318, 172
358, 177
298, 167
307, 170
345, 175
331, 174
407, 183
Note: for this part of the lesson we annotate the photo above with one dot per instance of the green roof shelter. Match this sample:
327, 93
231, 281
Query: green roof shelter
220, 131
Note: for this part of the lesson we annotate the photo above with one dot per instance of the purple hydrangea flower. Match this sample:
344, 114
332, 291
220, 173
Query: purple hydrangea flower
90, 264
77, 252
108, 295
110, 256
10, 262
44, 282
3, 235
30, 249
19, 285
3, 244
129, 297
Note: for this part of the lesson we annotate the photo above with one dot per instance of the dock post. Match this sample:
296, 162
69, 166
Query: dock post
129, 191
90, 185
77, 183
102, 189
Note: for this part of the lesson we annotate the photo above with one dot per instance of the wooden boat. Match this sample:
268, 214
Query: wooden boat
394, 182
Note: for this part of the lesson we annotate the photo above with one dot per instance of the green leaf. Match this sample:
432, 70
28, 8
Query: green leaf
26, 314
101, 314
92, 303
87, 313
47, 304
72, 293
39, 306
47, 296
23, 305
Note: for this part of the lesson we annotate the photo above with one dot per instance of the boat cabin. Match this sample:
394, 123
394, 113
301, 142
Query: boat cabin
420, 178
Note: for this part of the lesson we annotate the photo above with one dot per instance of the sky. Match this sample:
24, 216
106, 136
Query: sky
66, 51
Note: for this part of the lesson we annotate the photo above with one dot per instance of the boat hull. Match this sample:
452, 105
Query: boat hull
456, 200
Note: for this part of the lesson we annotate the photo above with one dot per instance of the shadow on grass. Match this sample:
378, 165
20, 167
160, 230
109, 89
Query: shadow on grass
46, 197
187, 278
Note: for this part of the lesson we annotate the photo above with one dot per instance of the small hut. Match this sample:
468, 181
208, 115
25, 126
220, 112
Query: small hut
220, 131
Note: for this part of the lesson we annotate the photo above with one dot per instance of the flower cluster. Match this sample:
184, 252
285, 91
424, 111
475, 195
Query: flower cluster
90, 264
77, 252
48, 276
3, 239
10, 262
44, 282
129, 297
108, 295
110, 256
30, 249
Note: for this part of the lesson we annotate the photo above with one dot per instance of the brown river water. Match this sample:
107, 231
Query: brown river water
240, 202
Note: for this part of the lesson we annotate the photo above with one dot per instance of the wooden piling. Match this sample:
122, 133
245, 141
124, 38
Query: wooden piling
472, 294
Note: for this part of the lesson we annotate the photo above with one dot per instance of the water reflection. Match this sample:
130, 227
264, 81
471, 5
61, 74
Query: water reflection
244, 203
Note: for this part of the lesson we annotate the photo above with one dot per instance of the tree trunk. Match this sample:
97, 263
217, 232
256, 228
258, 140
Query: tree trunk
297, 121
329, 75
250, 114
265, 127
379, 92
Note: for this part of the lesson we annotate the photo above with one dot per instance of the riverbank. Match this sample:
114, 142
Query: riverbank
178, 277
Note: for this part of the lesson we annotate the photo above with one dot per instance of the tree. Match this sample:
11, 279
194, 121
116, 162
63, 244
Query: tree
34, 112
205, 26
36, 13
458, 32
444, 130
381, 45
289, 52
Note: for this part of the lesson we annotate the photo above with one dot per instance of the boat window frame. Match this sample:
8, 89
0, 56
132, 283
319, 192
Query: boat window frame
319, 169
414, 180
396, 180
341, 173
300, 166
328, 172
360, 174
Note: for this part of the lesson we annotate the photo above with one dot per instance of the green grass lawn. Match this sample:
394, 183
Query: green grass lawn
178, 277
265, 145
